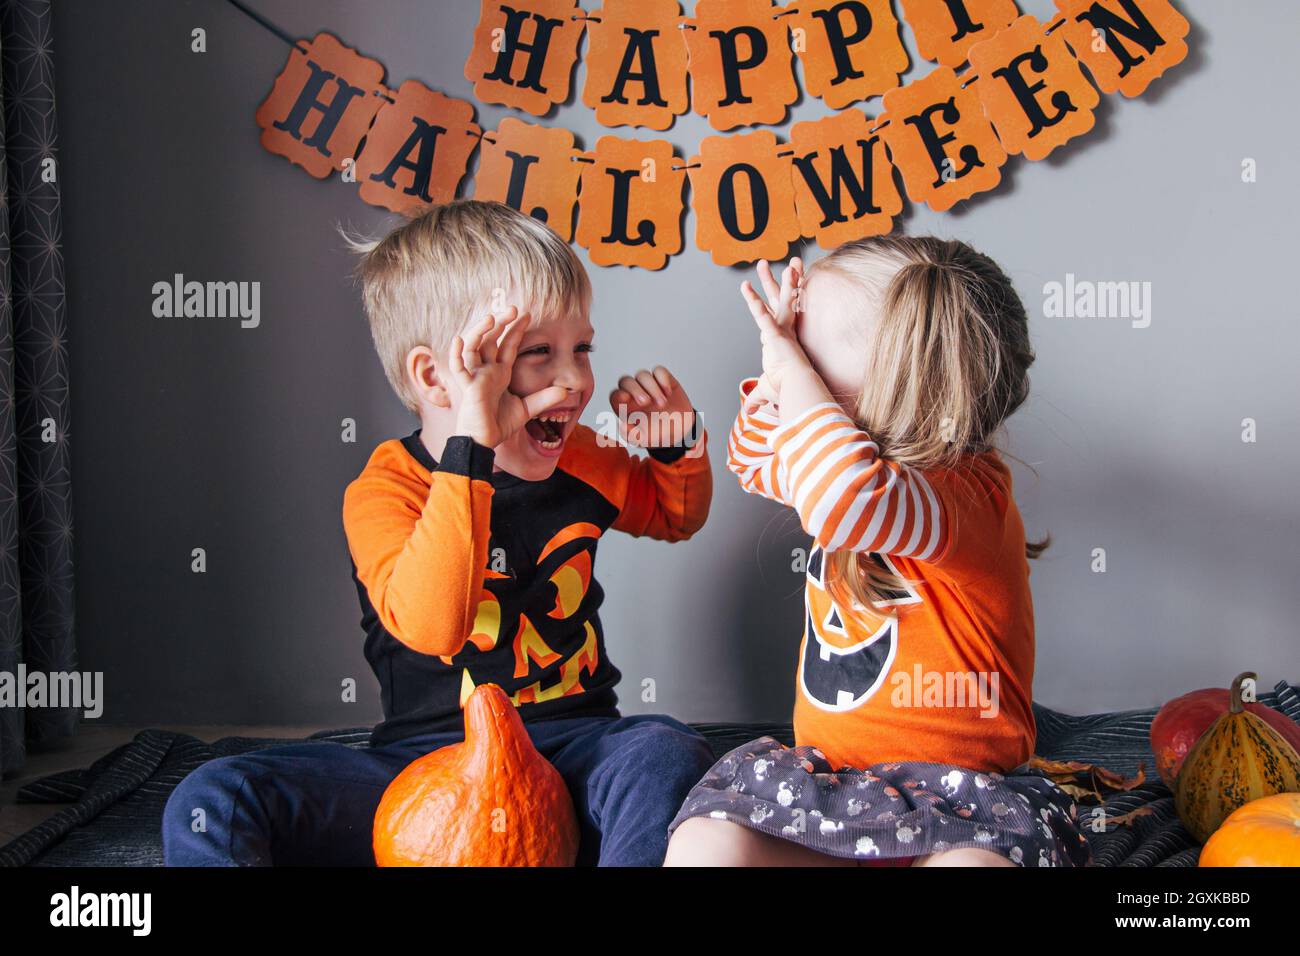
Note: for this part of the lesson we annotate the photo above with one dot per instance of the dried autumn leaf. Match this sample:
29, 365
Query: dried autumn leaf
1126, 819
1085, 780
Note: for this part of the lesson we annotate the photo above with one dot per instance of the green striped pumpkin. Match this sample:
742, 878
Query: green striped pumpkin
1238, 759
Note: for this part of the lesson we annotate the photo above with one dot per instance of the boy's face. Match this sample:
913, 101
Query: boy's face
555, 351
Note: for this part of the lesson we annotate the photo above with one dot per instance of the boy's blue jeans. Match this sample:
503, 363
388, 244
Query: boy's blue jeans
313, 804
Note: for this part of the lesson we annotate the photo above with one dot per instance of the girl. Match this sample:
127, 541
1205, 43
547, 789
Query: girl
886, 373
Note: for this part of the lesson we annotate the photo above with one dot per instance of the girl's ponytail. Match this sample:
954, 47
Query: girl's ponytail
948, 365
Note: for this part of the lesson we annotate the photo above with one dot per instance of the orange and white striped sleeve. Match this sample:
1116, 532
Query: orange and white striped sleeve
749, 453
848, 497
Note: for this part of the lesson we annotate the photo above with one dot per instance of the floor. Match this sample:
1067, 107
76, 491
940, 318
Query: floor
84, 748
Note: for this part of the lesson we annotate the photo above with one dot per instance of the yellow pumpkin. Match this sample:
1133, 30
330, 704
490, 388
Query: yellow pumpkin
1264, 832
1238, 759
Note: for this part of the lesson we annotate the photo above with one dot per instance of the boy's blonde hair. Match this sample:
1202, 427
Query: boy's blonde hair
948, 364
426, 280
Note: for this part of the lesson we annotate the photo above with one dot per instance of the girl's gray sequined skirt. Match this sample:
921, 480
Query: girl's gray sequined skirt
889, 811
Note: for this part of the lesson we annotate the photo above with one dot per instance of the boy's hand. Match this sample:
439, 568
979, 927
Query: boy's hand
668, 414
481, 363
776, 321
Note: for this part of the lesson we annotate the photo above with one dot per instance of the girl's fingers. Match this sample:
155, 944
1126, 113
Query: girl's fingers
634, 389
770, 287
757, 307
651, 386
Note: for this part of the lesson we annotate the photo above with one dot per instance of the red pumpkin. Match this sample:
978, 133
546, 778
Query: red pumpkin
1180, 723
1263, 832
490, 801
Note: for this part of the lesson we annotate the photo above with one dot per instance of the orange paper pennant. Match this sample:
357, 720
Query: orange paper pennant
630, 208
850, 49
947, 29
743, 196
524, 53
843, 182
636, 64
1032, 88
531, 168
940, 140
1125, 43
740, 63
416, 152
321, 105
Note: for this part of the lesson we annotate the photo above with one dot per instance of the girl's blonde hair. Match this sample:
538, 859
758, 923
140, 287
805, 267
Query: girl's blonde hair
948, 364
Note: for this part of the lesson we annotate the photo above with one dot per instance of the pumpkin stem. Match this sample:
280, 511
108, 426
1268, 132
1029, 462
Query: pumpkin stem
490, 721
1235, 705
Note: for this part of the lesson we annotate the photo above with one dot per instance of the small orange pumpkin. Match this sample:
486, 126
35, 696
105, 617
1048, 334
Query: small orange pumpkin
490, 801
1264, 832
1239, 759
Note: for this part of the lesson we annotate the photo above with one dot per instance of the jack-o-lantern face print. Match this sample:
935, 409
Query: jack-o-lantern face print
840, 668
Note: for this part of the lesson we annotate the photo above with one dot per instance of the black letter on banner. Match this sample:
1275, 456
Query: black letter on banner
536, 50
1140, 32
645, 230
639, 45
758, 199
839, 41
309, 100
934, 143
518, 177
961, 19
425, 135
731, 62
1025, 93
841, 175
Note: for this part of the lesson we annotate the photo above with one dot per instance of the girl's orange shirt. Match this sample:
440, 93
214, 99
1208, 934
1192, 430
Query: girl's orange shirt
944, 672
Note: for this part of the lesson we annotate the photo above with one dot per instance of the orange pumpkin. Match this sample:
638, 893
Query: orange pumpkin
1264, 832
490, 801
1239, 759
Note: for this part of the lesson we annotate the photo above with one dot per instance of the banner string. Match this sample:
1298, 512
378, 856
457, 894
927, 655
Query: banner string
266, 24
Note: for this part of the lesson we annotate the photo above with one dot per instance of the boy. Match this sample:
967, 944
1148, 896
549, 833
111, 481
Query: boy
472, 544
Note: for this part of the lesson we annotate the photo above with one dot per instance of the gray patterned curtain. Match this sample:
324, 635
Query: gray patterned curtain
36, 611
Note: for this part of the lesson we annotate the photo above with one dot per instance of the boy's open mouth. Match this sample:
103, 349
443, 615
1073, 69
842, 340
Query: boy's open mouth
548, 430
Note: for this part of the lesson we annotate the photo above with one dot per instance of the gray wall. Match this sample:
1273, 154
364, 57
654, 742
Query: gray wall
200, 434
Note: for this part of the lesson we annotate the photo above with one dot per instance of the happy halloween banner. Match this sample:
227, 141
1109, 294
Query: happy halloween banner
1028, 88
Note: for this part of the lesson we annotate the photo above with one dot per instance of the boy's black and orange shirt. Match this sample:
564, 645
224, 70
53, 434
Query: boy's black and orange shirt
467, 576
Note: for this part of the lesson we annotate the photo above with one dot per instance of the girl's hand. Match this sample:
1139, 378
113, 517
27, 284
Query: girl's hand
668, 415
481, 363
776, 320
762, 394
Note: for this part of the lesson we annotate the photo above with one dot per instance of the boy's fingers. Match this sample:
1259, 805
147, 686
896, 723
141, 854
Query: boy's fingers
540, 401
633, 388
510, 339
665, 379
454, 359
651, 386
